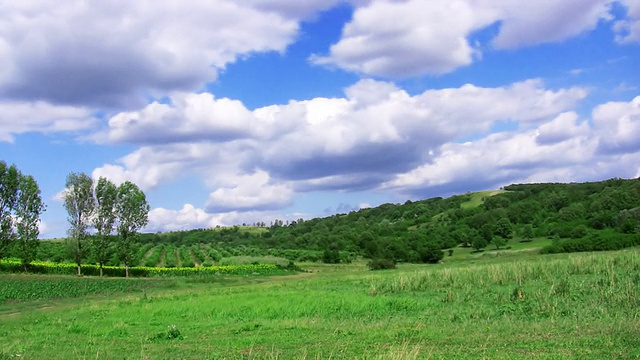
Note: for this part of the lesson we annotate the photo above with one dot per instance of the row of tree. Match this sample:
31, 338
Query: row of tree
20, 208
104, 207
95, 211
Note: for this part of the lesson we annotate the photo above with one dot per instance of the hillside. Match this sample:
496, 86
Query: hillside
577, 217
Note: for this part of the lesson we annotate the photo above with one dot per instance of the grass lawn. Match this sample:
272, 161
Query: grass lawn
574, 306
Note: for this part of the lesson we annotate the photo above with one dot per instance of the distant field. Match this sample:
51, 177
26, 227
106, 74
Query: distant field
516, 248
521, 306
477, 198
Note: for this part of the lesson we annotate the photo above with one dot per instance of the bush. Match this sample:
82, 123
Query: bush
381, 264
331, 256
431, 253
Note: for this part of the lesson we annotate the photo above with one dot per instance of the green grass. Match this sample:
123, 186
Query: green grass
541, 307
517, 248
477, 198
17, 288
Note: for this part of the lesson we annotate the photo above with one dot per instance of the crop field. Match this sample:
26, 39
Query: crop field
570, 306
43, 267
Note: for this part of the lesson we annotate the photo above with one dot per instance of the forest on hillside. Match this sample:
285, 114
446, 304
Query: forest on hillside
590, 216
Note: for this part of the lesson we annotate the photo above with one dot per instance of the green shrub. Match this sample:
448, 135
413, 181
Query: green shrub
431, 253
381, 264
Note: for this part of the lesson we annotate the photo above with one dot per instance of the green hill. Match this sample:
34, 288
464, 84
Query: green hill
551, 217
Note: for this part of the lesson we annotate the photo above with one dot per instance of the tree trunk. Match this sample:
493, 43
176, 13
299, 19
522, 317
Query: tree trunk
126, 269
101, 269
79, 273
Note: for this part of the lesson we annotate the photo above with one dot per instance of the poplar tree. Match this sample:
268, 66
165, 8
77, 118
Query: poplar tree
28, 208
9, 183
106, 194
132, 211
79, 203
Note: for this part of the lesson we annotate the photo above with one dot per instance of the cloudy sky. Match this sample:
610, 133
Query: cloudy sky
227, 112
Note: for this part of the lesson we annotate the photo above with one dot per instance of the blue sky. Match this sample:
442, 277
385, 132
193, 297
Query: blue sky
228, 112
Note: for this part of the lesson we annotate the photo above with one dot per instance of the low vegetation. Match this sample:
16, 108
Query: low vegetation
15, 266
520, 307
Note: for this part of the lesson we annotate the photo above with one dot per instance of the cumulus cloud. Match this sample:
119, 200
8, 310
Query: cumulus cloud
390, 131
356, 142
188, 118
150, 166
293, 9
491, 162
250, 192
23, 117
433, 37
118, 53
189, 217
563, 127
618, 126
430, 38
192, 217
375, 137
559, 150
628, 29
531, 23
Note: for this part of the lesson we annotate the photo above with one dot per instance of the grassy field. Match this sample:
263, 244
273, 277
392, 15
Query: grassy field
575, 306
477, 198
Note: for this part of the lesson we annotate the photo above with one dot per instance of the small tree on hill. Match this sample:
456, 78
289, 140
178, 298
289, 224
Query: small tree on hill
527, 232
430, 253
498, 242
503, 228
479, 243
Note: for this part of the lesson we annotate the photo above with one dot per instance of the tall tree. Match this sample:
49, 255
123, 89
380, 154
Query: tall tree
132, 211
105, 216
80, 203
9, 183
29, 206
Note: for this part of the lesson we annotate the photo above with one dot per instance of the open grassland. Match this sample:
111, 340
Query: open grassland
529, 307
477, 198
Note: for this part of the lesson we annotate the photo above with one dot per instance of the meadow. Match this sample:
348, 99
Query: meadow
524, 306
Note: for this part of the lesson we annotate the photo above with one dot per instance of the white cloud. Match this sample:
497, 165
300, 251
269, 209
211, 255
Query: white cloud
496, 160
628, 29
250, 192
618, 126
560, 150
189, 217
119, 53
149, 166
544, 21
400, 39
189, 117
293, 9
389, 130
22, 117
352, 143
565, 126
429, 38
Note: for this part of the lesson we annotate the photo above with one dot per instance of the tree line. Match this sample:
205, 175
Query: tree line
20, 208
603, 215
105, 208
96, 209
